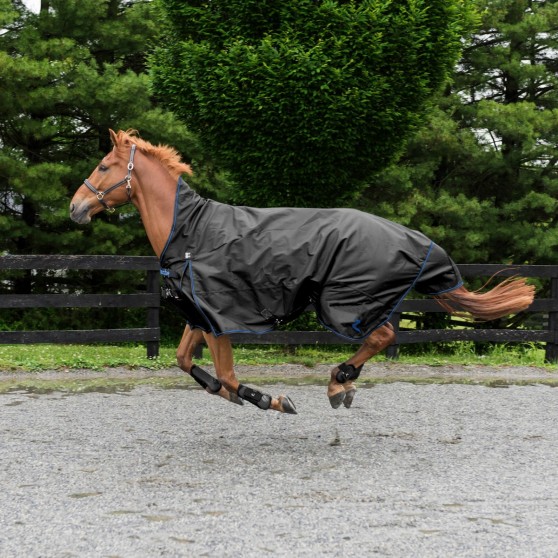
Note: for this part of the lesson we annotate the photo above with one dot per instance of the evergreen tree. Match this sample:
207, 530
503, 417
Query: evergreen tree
481, 177
302, 100
69, 74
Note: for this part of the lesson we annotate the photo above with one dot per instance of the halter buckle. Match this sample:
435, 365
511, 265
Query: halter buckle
100, 196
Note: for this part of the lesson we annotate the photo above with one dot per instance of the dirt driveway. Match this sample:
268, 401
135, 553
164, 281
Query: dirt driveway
412, 470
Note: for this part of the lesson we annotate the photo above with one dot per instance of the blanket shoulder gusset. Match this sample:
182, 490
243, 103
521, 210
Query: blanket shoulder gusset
241, 269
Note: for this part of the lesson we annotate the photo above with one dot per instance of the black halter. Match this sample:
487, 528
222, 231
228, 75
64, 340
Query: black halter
126, 180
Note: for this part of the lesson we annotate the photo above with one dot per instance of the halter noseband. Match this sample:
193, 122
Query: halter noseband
126, 180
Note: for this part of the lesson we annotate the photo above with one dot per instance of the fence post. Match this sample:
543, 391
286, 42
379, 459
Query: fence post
393, 350
551, 352
153, 312
198, 351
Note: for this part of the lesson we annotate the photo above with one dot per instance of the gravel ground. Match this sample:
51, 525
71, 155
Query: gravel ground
411, 470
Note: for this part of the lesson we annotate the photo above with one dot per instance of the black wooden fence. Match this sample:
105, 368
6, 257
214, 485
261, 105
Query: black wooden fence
150, 334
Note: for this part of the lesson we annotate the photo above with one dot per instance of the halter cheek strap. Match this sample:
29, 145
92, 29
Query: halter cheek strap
126, 180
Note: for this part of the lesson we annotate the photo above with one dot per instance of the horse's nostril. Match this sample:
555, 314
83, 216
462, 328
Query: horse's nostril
72, 207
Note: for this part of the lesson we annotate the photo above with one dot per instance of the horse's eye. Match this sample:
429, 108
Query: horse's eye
102, 168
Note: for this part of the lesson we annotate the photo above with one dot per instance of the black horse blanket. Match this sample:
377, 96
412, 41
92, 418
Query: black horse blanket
241, 269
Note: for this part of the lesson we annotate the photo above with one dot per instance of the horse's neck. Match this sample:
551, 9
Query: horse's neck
154, 200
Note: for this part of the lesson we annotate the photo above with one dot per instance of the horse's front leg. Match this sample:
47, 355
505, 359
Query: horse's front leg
191, 338
222, 356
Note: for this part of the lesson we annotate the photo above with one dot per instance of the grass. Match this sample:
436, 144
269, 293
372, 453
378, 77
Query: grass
34, 358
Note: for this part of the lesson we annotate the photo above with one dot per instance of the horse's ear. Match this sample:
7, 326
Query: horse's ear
113, 137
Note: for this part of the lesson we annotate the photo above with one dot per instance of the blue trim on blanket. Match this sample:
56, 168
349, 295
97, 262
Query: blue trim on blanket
356, 323
229, 332
197, 303
179, 184
420, 272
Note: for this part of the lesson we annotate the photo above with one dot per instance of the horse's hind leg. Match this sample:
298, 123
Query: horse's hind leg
341, 388
191, 338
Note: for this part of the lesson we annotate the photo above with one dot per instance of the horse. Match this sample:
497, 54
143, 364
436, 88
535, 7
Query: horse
228, 269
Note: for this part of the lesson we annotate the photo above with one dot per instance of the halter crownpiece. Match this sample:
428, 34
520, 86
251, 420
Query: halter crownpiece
126, 180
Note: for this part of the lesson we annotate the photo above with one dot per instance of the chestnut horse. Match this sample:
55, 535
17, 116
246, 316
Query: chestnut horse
149, 177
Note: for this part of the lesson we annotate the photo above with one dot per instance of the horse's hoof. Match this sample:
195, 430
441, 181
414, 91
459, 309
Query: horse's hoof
336, 400
233, 398
287, 405
349, 396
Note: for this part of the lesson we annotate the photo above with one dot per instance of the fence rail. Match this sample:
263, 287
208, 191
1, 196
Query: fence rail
150, 334
151, 301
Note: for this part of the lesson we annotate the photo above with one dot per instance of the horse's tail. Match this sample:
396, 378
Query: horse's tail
509, 297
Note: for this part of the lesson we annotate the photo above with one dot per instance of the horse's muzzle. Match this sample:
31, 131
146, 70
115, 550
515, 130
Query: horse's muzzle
80, 213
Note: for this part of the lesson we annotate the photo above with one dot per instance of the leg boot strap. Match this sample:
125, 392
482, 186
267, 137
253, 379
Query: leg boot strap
206, 380
348, 372
261, 400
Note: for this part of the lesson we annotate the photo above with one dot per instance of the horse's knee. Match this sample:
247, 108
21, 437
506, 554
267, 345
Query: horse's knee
184, 363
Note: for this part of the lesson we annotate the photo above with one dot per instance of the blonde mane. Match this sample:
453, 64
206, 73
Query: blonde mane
166, 155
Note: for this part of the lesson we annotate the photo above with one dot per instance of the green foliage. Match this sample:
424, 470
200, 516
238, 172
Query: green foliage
68, 74
301, 101
481, 178
35, 358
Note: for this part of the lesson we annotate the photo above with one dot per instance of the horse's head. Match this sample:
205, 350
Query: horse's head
109, 185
